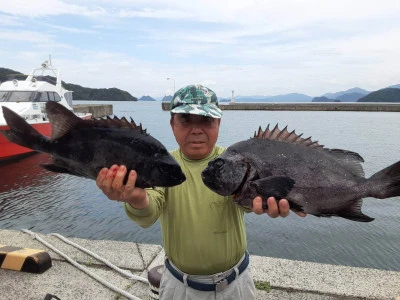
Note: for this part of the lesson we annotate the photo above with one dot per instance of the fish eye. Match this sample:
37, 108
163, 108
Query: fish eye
218, 163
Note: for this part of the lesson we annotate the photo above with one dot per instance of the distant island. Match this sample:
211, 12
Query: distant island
146, 98
80, 92
388, 94
383, 95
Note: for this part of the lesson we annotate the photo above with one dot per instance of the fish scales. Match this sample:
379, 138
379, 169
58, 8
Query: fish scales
83, 147
315, 180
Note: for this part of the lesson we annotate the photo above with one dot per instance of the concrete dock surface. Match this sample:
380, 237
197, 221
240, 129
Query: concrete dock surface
289, 279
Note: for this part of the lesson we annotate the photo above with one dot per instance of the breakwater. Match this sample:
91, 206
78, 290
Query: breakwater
308, 106
97, 110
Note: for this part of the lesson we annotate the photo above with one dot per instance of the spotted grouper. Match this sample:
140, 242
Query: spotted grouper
315, 180
83, 147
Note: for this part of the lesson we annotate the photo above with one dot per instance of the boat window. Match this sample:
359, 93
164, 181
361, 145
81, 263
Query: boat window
49, 96
29, 96
57, 97
43, 97
19, 97
3, 96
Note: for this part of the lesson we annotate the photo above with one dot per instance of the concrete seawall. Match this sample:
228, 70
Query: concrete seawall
97, 110
309, 106
289, 279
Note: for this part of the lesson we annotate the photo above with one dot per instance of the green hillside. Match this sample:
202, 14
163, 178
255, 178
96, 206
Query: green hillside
111, 94
383, 95
80, 92
8, 74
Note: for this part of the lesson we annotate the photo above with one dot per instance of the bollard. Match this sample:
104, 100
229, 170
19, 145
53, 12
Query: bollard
24, 259
154, 277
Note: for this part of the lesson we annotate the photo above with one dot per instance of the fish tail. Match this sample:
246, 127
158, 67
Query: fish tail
386, 183
21, 132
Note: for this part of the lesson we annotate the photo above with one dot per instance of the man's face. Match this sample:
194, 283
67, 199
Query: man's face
195, 135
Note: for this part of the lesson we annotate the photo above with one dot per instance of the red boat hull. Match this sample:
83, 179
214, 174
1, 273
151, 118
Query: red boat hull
10, 150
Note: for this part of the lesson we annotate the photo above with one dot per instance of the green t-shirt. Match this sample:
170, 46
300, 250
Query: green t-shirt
203, 233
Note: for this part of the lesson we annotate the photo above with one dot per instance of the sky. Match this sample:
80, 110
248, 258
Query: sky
254, 47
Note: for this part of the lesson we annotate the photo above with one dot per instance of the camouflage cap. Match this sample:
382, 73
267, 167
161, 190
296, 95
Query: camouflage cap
196, 100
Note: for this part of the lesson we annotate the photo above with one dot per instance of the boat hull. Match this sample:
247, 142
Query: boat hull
9, 150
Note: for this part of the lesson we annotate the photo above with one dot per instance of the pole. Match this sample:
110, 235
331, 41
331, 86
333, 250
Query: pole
169, 78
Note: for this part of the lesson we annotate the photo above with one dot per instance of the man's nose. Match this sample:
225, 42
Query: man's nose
196, 128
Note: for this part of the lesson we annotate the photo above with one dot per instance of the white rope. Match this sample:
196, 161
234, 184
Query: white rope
82, 268
123, 272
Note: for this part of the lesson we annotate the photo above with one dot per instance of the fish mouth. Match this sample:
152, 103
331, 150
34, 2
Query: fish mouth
244, 180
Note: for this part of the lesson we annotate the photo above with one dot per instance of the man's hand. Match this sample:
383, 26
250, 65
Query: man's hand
275, 208
111, 182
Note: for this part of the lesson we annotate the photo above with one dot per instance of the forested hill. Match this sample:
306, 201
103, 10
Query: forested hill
80, 92
8, 74
383, 95
111, 94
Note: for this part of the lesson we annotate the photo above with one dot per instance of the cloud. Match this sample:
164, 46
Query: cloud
40, 8
25, 36
7, 21
253, 46
155, 14
71, 29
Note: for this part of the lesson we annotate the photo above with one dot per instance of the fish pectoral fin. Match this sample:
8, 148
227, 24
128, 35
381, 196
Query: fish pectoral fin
273, 186
353, 212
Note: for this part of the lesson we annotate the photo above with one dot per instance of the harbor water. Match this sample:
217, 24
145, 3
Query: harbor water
46, 202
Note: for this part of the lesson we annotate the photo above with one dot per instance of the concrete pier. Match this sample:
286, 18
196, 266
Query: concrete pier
289, 279
309, 106
97, 110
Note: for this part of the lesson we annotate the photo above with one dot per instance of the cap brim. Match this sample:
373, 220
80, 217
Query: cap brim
206, 110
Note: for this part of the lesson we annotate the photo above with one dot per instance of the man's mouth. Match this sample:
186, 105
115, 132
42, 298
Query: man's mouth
196, 142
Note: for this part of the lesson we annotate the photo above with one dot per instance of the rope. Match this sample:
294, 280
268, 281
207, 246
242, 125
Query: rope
123, 272
82, 268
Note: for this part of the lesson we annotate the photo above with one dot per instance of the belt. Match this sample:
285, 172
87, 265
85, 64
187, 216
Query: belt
218, 286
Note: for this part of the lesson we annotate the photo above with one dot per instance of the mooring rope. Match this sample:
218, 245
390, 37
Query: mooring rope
108, 263
82, 268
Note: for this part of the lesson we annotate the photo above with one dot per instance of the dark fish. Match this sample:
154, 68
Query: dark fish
83, 147
315, 180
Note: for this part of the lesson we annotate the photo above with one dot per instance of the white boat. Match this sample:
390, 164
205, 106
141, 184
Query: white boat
28, 98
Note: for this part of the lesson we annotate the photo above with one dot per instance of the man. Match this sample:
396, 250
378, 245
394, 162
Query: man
203, 233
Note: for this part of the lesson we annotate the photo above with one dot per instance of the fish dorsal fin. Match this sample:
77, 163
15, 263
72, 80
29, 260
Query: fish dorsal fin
61, 119
351, 161
285, 136
115, 122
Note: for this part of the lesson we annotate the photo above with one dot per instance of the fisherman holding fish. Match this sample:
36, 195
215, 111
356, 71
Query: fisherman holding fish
204, 234
201, 191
